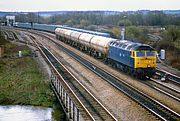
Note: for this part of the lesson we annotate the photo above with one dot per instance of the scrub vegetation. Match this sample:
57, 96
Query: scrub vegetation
171, 43
21, 81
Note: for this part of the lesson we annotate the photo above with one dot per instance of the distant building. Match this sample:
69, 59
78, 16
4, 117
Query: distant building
10, 20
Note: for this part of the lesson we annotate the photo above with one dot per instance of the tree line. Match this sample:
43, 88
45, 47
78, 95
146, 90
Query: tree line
85, 18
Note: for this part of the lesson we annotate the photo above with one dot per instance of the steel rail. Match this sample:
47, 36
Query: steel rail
162, 114
112, 117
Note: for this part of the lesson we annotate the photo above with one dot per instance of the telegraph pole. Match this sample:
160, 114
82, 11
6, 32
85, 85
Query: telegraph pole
0, 28
124, 26
38, 17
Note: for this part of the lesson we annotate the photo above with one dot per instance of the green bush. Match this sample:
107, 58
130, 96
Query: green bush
26, 52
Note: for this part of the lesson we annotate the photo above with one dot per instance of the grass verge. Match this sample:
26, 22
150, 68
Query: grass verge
21, 80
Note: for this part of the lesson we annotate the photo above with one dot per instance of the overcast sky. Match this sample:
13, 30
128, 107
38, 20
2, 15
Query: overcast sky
63, 5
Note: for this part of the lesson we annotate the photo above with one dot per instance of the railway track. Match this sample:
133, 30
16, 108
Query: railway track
89, 107
155, 107
158, 109
86, 102
161, 87
8, 34
169, 76
93, 106
167, 90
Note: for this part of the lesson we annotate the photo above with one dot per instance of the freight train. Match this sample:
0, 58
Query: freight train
134, 58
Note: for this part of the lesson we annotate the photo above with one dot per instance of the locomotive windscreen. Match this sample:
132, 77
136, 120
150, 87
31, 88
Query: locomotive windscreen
144, 47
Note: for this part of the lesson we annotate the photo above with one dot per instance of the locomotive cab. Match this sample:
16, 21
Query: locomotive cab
134, 58
144, 59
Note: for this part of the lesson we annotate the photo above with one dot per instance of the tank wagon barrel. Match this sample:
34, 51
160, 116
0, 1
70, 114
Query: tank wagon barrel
85, 39
97, 44
101, 44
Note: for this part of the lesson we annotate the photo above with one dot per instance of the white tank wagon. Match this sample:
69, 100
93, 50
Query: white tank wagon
67, 34
63, 34
75, 36
60, 33
85, 39
95, 45
101, 44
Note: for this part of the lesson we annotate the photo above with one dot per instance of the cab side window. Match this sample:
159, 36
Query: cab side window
132, 54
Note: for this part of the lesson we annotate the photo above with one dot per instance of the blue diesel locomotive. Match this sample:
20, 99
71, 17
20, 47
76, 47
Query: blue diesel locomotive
134, 58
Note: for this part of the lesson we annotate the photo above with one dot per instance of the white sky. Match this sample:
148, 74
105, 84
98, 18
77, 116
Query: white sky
63, 5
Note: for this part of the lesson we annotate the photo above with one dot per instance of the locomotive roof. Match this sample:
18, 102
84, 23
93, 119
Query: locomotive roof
129, 45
